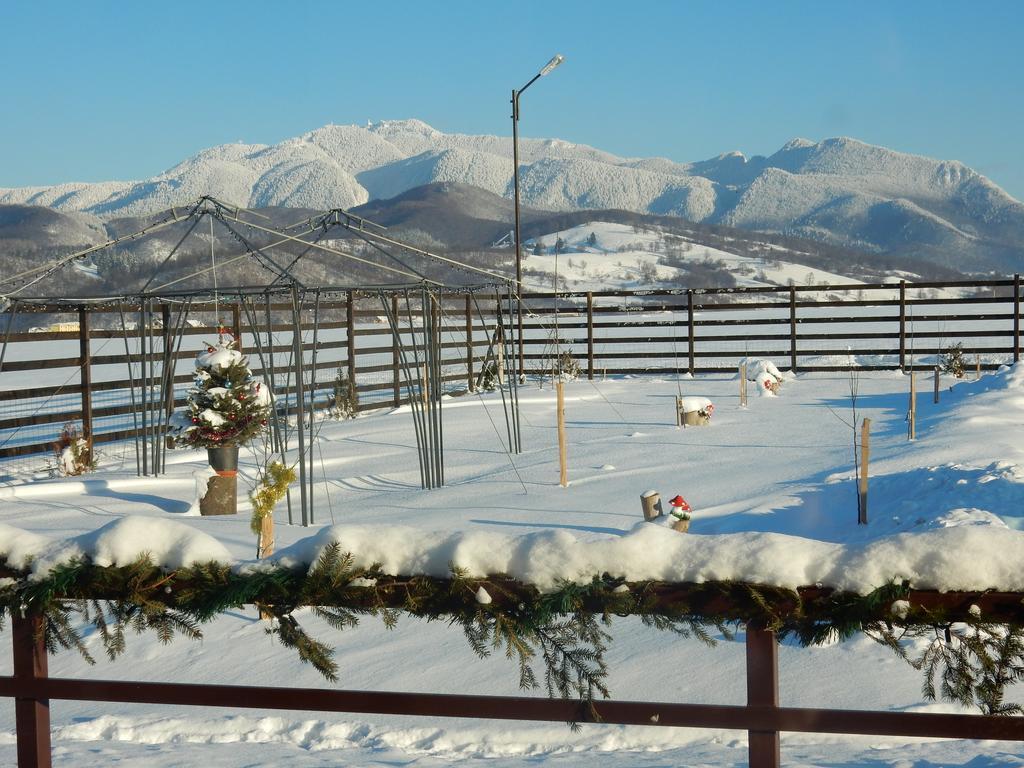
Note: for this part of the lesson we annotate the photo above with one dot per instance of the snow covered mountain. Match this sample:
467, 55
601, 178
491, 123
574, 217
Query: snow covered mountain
840, 191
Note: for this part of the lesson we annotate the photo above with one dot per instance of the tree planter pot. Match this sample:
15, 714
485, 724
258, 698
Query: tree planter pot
694, 419
224, 460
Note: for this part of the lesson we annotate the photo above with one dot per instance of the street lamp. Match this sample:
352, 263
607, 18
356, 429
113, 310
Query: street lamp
555, 61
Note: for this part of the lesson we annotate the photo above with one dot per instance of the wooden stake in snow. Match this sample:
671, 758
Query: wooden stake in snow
563, 469
743, 385
650, 502
265, 541
865, 455
679, 411
936, 384
912, 411
977, 366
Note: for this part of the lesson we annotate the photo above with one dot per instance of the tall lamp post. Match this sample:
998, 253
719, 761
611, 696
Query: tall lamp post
555, 61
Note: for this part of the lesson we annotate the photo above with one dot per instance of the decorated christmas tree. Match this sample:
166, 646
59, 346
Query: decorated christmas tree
226, 405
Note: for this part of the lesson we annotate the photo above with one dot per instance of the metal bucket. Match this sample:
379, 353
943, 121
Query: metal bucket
224, 460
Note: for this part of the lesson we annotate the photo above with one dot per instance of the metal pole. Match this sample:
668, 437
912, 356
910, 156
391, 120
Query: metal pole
469, 344
143, 395
519, 247
85, 362
350, 340
131, 388
312, 402
514, 391
167, 383
396, 346
300, 401
156, 401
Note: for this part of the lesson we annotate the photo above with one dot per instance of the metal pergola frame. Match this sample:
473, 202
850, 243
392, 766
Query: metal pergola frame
418, 345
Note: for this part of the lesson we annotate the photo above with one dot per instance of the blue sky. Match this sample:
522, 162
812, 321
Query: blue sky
103, 90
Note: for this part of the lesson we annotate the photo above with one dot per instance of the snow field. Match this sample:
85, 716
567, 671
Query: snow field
778, 470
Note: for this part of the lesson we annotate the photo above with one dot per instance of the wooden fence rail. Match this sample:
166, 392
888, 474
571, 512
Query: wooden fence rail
695, 331
762, 717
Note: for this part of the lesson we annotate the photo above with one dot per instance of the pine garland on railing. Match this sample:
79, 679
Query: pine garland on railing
974, 655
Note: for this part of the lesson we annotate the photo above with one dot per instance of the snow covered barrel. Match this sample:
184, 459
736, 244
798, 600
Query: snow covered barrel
695, 411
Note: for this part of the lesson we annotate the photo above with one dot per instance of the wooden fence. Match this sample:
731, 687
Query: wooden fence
108, 377
762, 717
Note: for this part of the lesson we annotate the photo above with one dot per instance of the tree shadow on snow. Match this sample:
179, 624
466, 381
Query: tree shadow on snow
915, 500
586, 528
101, 488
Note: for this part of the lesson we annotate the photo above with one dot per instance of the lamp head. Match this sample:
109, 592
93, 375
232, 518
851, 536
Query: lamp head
555, 61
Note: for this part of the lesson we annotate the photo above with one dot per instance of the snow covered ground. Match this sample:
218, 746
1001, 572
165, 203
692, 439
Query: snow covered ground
777, 471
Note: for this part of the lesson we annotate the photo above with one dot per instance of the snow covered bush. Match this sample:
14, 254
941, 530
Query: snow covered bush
951, 360
489, 377
72, 452
345, 398
226, 405
566, 367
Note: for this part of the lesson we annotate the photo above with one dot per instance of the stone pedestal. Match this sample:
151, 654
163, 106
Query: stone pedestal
221, 496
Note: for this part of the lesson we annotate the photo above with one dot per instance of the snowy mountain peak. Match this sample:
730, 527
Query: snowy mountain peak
797, 143
840, 190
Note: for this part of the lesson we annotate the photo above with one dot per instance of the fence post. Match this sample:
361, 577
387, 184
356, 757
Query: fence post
1016, 318
469, 344
903, 325
590, 335
85, 362
31, 715
792, 328
763, 691
350, 336
689, 326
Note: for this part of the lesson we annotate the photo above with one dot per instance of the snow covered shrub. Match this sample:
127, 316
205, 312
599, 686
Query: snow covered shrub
952, 360
345, 399
72, 452
489, 377
226, 405
566, 367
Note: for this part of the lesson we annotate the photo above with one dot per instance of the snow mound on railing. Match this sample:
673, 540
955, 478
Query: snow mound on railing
960, 558
167, 543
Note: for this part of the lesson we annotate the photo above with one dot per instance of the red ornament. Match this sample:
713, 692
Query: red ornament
679, 504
